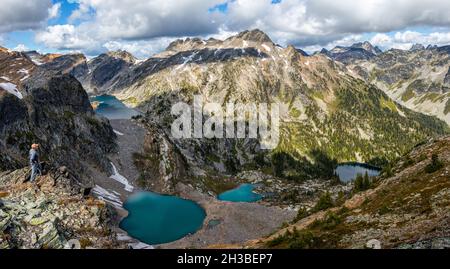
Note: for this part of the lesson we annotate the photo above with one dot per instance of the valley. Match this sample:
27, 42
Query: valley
349, 142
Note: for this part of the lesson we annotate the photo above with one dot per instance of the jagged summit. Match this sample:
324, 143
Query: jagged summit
358, 51
417, 47
255, 36
367, 46
182, 44
123, 55
243, 39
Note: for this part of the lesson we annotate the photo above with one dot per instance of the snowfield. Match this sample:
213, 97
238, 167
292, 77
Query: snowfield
12, 89
107, 196
121, 179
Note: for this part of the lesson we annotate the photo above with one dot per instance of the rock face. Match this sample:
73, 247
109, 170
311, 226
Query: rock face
160, 163
73, 64
54, 111
104, 68
49, 214
410, 209
40, 59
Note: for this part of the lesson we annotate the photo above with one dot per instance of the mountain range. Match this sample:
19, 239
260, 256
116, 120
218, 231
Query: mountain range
417, 78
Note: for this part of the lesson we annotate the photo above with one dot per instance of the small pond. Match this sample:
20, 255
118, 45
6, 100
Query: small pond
243, 194
350, 171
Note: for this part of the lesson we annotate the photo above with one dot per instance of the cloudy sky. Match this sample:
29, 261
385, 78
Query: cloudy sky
145, 27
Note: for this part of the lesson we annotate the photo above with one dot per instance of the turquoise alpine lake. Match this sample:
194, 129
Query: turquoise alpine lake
243, 194
350, 171
112, 108
158, 219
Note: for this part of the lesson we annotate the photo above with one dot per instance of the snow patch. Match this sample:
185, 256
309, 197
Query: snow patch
36, 60
267, 48
121, 179
108, 197
118, 133
401, 113
24, 71
140, 245
187, 60
6, 78
12, 89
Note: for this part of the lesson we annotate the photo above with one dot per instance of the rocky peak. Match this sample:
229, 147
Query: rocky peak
368, 47
417, 47
357, 51
123, 55
40, 59
73, 64
185, 44
255, 36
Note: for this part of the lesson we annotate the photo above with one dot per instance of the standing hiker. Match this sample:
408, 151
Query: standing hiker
34, 162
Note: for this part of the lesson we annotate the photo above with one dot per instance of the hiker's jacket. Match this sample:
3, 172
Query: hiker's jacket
34, 157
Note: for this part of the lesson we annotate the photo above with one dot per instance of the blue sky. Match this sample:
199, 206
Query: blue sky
26, 37
146, 27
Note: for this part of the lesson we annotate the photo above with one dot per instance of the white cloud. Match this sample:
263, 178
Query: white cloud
136, 19
146, 26
55, 11
21, 47
140, 49
311, 22
346, 41
24, 15
406, 39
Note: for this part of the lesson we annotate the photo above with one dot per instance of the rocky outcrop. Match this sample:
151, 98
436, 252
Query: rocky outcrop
56, 113
53, 214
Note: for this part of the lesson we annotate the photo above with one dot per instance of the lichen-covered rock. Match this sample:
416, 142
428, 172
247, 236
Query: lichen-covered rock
52, 212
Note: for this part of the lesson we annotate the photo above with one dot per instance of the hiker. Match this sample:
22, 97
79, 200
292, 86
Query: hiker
34, 162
